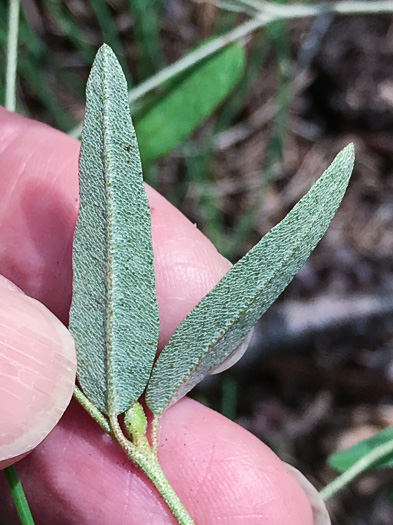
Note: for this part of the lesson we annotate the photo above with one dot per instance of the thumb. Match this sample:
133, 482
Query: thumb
37, 372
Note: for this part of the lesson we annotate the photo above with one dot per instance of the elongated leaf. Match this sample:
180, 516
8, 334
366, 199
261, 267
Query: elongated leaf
220, 321
173, 118
114, 314
343, 460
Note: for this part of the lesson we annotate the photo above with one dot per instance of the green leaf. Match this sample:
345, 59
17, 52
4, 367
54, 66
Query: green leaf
114, 314
220, 321
174, 117
342, 461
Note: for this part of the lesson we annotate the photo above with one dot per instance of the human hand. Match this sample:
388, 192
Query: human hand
221, 473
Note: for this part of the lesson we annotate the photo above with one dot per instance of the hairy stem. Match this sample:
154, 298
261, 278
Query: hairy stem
363, 464
148, 463
154, 433
92, 410
144, 457
12, 54
141, 454
18, 496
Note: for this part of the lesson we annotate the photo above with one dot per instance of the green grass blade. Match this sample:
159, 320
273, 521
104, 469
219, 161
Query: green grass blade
18, 496
277, 38
229, 397
372, 458
181, 110
255, 63
30, 40
209, 202
145, 17
280, 38
110, 36
12, 54
70, 29
30, 71
343, 460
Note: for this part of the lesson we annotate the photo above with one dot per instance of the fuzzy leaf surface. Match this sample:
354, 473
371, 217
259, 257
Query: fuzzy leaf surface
192, 100
220, 321
344, 459
114, 313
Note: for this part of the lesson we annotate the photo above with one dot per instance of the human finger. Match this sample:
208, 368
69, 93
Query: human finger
37, 372
222, 474
39, 188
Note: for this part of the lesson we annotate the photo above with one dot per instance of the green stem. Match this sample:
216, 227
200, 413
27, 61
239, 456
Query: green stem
92, 410
148, 463
144, 457
141, 454
18, 496
12, 54
269, 13
154, 433
363, 464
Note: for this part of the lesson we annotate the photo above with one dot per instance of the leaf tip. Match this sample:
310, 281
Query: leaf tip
105, 54
351, 148
104, 49
349, 151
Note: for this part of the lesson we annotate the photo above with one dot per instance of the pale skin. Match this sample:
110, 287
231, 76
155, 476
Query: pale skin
77, 475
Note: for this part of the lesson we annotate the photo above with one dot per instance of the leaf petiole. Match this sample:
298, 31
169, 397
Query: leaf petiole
139, 452
144, 457
92, 410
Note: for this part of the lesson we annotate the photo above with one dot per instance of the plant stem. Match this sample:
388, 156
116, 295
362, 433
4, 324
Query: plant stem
154, 433
92, 410
363, 464
268, 13
148, 463
144, 457
18, 496
12, 54
141, 454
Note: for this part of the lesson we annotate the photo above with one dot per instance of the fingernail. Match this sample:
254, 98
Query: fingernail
235, 355
320, 513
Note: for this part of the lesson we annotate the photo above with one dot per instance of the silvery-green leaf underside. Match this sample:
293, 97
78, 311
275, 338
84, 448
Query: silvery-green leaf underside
222, 318
114, 313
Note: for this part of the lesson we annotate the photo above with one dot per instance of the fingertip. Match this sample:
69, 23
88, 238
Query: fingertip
41, 163
221, 473
39, 192
226, 474
37, 372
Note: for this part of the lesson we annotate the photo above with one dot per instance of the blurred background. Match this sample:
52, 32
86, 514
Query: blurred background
248, 131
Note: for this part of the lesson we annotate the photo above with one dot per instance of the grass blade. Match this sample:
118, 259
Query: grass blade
344, 459
374, 457
18, 496
12, 54
146, 30
181, 110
